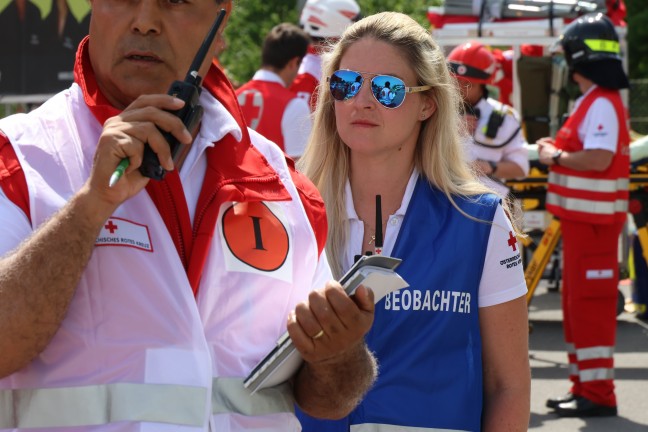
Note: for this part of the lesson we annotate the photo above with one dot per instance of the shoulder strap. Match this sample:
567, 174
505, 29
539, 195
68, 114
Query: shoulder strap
495, 121
12, 176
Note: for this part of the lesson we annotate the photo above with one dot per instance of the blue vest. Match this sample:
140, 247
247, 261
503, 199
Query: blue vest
426, 337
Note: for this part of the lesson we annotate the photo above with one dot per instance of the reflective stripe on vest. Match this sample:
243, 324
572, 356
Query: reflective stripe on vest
598, 352
159, 403
573, 369
229, 396
596, 374
570, 348
102, 404
375, 427
587, 184
587, 206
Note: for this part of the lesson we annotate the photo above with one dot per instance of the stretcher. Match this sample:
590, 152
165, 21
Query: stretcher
532, 191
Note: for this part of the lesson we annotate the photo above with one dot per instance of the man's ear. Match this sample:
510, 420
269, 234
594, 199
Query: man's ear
295, 62
228, 7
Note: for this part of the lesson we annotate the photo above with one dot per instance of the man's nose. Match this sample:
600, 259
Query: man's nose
147, 17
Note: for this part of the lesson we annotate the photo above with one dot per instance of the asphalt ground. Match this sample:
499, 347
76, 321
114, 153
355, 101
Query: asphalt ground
549, 368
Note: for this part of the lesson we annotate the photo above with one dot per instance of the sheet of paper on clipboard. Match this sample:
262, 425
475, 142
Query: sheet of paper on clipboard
373, 271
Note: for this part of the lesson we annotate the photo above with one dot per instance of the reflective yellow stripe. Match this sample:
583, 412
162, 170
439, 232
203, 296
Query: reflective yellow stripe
596, 374
45, 7
603, 45
376, 427
230, 396
588, 206
79, 9
598, 352
586, 184
4, 4
103, 404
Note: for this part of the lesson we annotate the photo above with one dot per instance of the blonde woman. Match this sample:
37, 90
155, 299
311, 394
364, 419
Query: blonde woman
452, 347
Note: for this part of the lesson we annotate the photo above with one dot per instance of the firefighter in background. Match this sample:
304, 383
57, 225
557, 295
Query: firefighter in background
498, 148
69, 20
268, 106
23, 39
588, 191
323, 20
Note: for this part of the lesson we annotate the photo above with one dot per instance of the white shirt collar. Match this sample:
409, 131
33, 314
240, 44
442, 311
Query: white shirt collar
266, 75
216, 122
580, 99
407, 196
482, 103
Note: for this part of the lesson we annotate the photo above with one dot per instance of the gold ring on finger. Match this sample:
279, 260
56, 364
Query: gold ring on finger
319, 334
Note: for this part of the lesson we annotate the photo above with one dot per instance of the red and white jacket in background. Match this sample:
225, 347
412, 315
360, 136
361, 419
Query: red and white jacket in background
591, 196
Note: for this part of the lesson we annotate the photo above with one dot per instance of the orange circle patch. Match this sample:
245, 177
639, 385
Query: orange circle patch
255, 235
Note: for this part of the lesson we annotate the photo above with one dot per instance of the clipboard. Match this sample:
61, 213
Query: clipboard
282, 362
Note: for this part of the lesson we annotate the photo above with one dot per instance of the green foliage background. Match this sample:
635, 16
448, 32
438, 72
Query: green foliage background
637, 38
252, 19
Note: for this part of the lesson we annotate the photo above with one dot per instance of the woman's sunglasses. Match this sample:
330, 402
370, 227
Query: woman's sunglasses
388, 90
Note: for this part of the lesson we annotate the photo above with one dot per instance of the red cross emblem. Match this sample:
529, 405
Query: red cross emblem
600, 127
110, 226
512, 241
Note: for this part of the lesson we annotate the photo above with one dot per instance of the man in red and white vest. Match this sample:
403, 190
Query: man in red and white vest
268, 106
588, 192
142, 305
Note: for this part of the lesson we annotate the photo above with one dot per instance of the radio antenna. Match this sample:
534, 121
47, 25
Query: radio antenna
192, 76
378, 236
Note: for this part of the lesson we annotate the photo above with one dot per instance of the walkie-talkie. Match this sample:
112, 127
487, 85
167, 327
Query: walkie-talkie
189, 91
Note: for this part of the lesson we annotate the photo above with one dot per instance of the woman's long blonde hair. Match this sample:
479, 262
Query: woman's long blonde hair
439, 154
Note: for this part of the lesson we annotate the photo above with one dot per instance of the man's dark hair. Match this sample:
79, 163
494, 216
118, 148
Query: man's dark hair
284, 42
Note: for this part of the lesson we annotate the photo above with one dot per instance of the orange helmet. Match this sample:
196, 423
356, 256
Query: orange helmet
472, 62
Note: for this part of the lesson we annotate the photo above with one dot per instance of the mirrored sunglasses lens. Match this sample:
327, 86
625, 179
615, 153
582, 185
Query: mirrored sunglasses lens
389, 90
345, 84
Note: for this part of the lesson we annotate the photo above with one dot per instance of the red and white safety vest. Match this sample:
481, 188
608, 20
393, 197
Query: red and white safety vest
263, 104
591, 196
169, 316
308, 77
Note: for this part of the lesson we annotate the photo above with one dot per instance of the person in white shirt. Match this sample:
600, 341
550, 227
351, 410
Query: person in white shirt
497, 146
452, 345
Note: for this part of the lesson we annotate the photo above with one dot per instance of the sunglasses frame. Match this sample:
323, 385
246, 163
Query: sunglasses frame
414, 89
